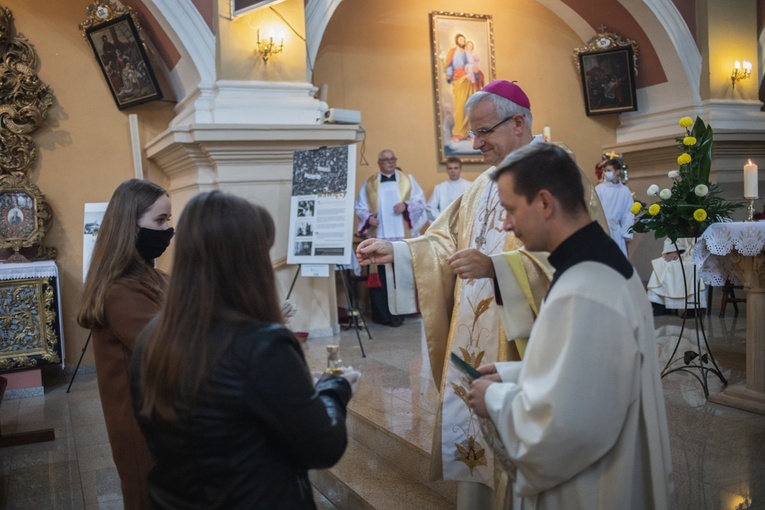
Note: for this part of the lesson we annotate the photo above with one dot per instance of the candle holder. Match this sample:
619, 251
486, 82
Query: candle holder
750, 208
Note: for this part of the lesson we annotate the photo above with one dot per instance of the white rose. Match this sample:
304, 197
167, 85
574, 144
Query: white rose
673, 174
665, 194
701, 190
653, 190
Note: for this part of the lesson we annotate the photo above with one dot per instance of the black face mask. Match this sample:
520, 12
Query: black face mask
153, 243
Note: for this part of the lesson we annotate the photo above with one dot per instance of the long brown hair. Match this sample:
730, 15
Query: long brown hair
221, 273
115, 254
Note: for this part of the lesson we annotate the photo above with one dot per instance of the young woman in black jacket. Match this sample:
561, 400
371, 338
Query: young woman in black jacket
222, 391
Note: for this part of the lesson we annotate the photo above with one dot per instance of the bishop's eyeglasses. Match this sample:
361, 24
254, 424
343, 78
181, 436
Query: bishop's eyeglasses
483, 132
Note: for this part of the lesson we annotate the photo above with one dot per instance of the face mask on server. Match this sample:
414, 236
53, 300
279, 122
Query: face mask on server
153, 243
609, 176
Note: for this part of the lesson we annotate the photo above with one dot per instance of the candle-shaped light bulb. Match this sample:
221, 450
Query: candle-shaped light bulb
736, 65
271, 36
750, 180
258, 36
747, 66
281, 38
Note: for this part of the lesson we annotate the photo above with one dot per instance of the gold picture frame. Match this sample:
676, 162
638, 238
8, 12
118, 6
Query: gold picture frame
24, 214
463, 62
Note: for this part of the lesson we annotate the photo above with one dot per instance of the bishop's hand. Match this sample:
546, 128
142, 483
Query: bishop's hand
471, 263
374, 251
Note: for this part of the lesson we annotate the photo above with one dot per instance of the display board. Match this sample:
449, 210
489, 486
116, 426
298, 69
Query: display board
321, 206
94, 215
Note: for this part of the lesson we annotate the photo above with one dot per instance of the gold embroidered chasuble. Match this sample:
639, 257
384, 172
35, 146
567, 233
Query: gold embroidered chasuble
460, 316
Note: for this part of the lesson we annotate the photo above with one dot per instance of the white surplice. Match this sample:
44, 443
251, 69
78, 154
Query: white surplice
582, 417
444, 194
617, 201
391, 225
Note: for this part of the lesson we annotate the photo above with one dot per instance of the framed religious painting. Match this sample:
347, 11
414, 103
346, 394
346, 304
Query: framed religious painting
123, 60
608, 80
24, 214
463, 62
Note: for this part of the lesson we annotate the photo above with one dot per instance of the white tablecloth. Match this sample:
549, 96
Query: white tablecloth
717, 242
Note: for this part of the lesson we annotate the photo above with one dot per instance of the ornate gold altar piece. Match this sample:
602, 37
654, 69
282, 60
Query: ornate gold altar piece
24, 99
30, 332
29, 325
24, 102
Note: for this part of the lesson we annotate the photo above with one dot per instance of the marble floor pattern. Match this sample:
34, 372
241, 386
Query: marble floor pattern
718, 452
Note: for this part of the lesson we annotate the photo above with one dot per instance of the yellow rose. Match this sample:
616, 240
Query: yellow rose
684, 158
689, 141
686, 122
699, 215
636, 207
655, 208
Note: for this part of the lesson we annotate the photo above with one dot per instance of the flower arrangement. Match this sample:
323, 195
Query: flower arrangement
693, 203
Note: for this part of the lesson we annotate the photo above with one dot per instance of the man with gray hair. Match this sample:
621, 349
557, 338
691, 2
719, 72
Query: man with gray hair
389, 204
450, 269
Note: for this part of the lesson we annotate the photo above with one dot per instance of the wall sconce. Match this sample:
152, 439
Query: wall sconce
739, 74
267, 48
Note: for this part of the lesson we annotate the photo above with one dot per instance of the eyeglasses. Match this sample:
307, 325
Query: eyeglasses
481, 133
387, 160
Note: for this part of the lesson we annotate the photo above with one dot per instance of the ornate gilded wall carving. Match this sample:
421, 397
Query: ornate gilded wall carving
24, 99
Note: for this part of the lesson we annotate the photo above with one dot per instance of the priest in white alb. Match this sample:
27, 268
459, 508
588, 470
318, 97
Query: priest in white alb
581, 420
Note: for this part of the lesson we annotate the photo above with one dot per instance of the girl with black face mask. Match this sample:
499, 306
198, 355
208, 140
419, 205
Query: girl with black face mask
123, 291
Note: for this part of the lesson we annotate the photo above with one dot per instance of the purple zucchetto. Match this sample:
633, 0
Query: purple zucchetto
509, 90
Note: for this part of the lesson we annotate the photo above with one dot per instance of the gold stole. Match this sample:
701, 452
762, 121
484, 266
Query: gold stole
533, 281
373, 188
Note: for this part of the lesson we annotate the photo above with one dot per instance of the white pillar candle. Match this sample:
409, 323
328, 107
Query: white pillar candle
750, 180
546, 134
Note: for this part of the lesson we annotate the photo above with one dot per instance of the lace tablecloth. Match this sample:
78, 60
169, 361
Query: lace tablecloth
712, 249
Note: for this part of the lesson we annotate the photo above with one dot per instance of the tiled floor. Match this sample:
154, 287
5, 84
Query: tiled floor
718, 452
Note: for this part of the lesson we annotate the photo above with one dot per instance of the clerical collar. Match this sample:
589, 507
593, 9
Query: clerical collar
589, 244
388, 178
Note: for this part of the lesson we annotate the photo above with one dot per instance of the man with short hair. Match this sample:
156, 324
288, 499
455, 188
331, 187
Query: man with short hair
448, 191
388, 205
582, 417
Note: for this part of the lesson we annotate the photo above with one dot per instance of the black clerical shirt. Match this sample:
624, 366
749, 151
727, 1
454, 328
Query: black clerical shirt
589, 243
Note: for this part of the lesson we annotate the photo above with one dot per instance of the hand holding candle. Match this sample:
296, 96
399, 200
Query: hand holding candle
546, 134
750, 180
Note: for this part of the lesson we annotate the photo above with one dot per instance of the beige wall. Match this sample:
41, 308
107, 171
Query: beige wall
84, 148
376, 57
237, 41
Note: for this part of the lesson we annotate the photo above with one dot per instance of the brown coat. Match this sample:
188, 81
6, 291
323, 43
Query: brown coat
129, 307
